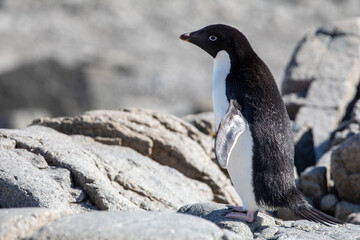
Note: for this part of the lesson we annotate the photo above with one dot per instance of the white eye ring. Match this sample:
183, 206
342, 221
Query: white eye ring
212, 38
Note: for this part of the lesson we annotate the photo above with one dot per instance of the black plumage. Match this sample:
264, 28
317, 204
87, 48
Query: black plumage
251, 85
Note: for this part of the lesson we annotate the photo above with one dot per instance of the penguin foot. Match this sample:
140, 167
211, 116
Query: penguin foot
237, 208
249, 217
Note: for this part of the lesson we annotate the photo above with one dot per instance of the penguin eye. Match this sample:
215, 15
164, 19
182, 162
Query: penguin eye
212, 38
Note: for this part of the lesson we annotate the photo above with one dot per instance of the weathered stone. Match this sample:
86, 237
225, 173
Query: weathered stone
166, 139
344, 209
23, 185
328, 203
132, 225
313, 182
19, 223
322, 122
112, 177
146, 183
345, 169
324, 74
302, 68
7, 143
204, 122
308, 230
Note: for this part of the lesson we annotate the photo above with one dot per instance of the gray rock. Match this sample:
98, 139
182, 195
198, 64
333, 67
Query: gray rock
349, 127
267, 227
80, 169
328, 203
302, 69
303, 229
204, 122
215, 213
321, 79
132, 225
41, 223
19, 223
345, 169
344, 209
164, 138
313, 182
23, 185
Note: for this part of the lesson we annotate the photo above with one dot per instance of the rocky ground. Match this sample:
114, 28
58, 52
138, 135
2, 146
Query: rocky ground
90, 54
155, 175
321, 91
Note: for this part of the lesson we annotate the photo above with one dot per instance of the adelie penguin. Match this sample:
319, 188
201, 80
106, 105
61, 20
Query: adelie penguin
254, 140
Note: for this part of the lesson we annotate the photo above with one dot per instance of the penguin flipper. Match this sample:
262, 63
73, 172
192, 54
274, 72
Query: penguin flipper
231, 127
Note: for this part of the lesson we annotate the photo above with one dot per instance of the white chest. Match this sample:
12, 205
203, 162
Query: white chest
240, 161
221, 70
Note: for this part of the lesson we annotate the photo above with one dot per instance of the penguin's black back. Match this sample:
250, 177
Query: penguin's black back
251, 83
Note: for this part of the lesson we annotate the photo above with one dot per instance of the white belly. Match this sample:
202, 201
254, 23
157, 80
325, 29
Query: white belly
240, 170
240, 161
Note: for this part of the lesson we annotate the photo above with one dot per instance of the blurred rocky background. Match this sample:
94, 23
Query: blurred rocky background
65, 57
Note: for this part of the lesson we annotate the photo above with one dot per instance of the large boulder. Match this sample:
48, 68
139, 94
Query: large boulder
166, 139
321, 80
49, 224
41, 167
345, 169
19, 223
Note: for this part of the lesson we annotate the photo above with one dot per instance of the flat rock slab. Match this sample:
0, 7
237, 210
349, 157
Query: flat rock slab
18, 223
166, 139
132, 225
40, 167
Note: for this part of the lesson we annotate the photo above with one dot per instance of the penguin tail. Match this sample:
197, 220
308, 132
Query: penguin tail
304, 210
314, 215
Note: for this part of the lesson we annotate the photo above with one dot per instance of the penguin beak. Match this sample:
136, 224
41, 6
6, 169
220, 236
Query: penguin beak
185, 37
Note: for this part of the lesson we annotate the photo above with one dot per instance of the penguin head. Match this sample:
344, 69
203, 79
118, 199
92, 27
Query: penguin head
215, 38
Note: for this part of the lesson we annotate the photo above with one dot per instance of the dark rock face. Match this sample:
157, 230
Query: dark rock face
321, 80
